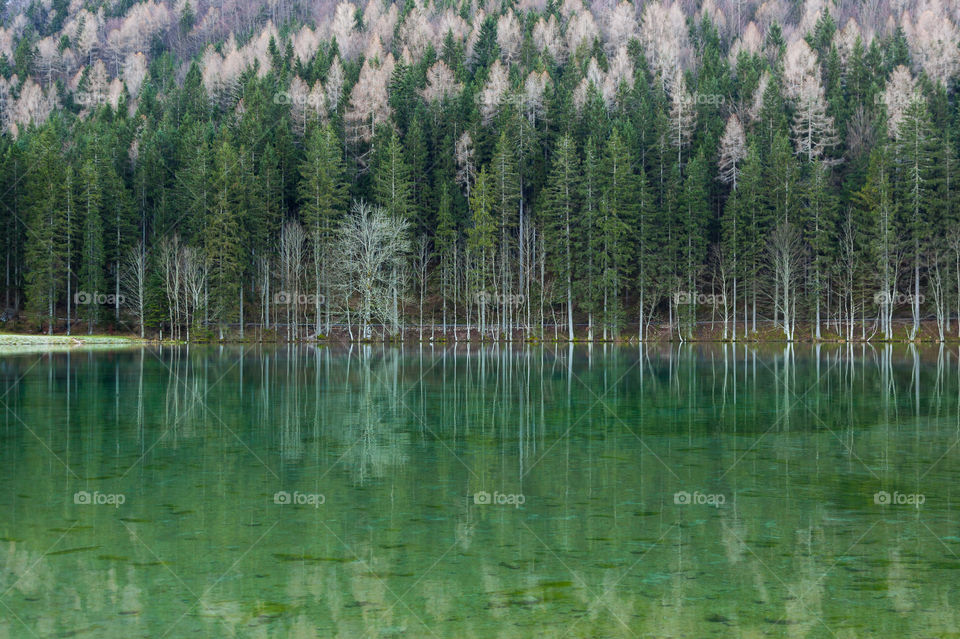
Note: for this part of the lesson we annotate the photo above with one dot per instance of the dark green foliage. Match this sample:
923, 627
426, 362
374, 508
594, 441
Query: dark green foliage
582, 201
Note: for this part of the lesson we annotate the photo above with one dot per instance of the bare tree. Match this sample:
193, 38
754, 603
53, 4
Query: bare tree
134, 73
441, 82
900, 92
547, 38
581, 30
421, 257
494, 91
374, 252
168, 258
620, 25
292, 250
733, 149
194, 272
813, 130
133, 282
264, 281
509, 36
847, 270
722, 274
683, 116
665, 36
785, 250
933, 41
369, 105
936, 265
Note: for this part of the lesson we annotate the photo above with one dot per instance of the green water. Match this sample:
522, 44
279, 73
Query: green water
583, 452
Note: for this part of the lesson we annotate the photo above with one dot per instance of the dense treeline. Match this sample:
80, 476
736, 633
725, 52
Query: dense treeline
502, 170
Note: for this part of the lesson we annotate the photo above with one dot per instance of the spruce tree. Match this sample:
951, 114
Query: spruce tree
323, 201
223, 242
392, 184
44, 249
91, 281
561, 218
618, 217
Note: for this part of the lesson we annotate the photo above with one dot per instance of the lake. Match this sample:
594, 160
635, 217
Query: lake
466, 491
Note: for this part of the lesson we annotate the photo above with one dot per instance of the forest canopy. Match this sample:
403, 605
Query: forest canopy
530, 168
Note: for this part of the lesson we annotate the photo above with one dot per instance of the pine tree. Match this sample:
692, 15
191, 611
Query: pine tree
481, 243
561, 218
618, 217
91, 284
505, 189
223, 242
445, 246
743, 230
11, 225
875, 199
780, 195
392, 183
70, 187
44, 249
693, 230
192, 191
121, 227
819, 230
323, 201
587, 243
915, 148
417, 160
644, 243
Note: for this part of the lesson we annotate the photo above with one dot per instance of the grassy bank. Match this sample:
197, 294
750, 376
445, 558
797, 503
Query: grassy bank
16, 344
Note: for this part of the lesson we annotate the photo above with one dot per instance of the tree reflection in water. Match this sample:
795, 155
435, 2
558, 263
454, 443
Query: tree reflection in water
598, 439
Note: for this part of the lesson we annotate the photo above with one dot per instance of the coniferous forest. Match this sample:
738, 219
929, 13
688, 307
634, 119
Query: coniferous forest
726, 169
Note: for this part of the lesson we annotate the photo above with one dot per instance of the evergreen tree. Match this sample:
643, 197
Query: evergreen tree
819, 227
91, 280
505, 188
875, 199
323, 201
392, 183
481, 243
618, 217
561, 218
445, 246
915, 148
44, 249
693, 229
589, 244
223, 241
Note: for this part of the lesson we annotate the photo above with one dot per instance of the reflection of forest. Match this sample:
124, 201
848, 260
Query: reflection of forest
598, 439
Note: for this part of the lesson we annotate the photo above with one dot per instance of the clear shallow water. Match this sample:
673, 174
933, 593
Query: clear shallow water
685, 492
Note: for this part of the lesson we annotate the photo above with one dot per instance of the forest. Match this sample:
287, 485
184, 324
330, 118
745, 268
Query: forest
459, 169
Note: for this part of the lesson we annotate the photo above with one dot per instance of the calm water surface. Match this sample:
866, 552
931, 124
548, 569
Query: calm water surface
497, 492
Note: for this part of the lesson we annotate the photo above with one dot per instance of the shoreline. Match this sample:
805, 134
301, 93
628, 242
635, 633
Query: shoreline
77, 341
